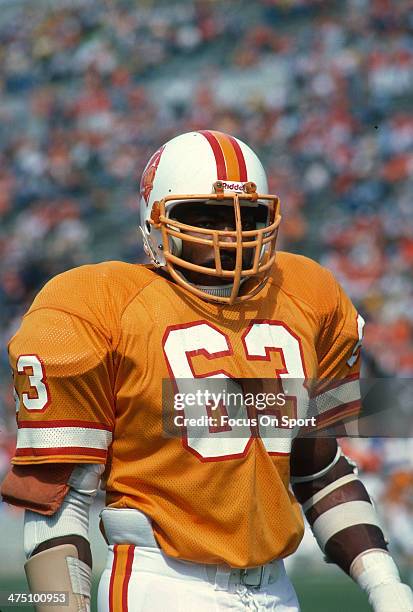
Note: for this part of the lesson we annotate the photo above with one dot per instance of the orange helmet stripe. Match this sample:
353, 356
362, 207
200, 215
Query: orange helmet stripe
242, 166
231, 160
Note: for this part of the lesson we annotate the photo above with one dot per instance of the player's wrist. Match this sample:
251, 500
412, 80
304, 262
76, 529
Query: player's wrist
392, 597
377, 574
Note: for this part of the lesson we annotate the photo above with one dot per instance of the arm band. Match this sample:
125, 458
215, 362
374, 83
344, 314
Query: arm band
342, 516
328, 489
323, 472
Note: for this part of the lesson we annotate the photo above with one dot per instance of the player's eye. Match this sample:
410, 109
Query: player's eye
248, 225
206, 224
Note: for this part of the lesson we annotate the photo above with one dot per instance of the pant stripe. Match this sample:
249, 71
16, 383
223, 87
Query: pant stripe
128, 571
112, 577
120, 575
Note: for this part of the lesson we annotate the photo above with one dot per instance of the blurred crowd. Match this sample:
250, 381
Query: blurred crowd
321, 90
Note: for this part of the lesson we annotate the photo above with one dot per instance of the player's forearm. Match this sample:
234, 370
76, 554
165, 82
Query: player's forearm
345, 524
340, 500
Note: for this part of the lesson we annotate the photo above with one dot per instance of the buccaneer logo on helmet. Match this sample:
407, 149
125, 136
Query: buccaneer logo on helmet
148, 175
216, 169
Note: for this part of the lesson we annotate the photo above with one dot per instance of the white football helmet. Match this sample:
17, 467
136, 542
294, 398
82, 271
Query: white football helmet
216, 169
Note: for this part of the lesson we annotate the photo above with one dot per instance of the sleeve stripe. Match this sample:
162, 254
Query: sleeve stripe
65, 451
64, 423
63, 437
333, 384
339, 414
342, 395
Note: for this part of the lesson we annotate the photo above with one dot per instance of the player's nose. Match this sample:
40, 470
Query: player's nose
228, 228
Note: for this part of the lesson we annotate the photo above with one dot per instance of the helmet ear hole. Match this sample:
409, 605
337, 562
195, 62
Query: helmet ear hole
148, 227
176, 246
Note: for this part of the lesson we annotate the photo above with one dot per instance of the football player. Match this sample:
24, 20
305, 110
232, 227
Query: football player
200, 518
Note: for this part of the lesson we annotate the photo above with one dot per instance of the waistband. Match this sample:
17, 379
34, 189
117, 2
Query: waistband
126, 526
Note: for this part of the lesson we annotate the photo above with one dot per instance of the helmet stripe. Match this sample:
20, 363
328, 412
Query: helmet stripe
231, 159
219, 156
243, 176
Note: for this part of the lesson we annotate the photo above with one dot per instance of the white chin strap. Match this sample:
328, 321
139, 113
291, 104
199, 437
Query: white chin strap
218, 290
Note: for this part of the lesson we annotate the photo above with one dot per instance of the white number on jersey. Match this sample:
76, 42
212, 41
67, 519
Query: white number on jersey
38, 396
184, 341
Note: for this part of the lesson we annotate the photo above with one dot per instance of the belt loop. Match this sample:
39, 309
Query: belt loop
222, 577
253, 577
273, 571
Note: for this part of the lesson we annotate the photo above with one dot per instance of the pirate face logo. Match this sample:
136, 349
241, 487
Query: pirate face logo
149, 173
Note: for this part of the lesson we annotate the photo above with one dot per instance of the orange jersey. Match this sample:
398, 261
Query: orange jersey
89, 363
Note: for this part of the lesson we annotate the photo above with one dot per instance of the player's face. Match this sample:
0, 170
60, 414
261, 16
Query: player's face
218, 218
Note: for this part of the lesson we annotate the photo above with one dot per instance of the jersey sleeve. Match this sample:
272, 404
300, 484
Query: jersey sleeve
63, 379
337, 389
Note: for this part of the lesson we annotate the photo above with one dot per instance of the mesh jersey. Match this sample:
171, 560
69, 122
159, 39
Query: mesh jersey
89, 360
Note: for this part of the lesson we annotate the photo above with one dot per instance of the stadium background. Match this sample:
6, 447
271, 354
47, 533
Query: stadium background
322, 90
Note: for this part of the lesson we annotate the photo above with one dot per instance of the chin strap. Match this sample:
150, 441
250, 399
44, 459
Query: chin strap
218, 290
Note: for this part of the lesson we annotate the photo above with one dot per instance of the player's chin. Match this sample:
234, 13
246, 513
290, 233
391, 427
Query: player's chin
227, 262
212, 279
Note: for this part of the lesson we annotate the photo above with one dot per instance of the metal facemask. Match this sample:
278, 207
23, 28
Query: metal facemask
244, 283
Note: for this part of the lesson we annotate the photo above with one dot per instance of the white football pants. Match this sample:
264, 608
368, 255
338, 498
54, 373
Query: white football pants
139, 577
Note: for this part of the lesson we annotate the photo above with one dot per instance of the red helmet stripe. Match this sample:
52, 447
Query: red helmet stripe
219, 156
243, 177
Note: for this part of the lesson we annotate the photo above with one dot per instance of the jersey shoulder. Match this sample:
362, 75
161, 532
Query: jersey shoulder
97, 293
305, 280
